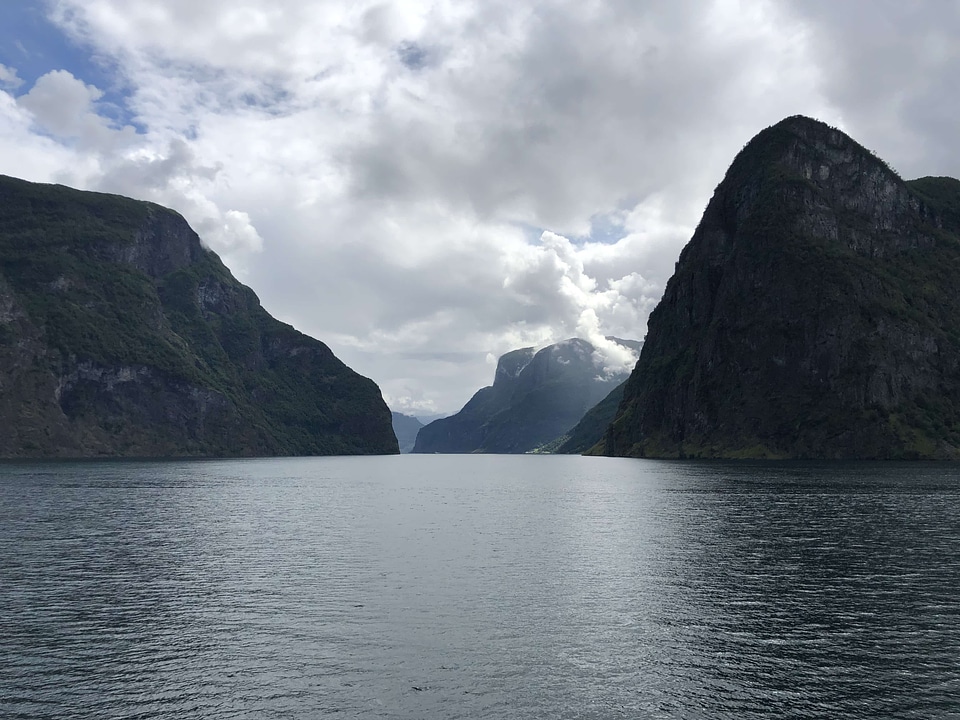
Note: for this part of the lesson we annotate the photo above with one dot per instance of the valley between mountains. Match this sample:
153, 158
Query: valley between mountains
813, 314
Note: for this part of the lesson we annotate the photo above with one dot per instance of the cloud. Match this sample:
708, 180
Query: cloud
65, 107
9, 80
400, 162
154, 172
894, 75
177, 178
119, 160
25, 153
421, 184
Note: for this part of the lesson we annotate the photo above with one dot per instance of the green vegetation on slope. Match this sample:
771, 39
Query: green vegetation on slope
124, 336
813, 314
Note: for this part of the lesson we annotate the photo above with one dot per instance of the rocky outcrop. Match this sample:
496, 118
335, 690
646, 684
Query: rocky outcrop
535, 398
120, 335
813, 314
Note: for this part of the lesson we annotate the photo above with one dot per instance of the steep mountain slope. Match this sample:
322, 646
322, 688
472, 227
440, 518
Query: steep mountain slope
405, 427
814, 313
591, 428
534, 399
121, 335
464, 432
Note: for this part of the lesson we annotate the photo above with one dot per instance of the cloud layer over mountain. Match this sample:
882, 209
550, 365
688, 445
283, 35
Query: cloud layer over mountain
426, 185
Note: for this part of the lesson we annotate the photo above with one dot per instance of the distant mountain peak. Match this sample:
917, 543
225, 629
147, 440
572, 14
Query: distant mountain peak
535, 397
511, 364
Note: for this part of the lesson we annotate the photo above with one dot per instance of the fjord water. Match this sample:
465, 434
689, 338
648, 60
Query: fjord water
479, 587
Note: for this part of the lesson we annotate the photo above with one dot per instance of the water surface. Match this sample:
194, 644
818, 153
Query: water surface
479, 587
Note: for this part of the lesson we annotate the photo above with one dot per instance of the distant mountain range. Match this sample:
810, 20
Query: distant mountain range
535, 398
406, 427
120, 335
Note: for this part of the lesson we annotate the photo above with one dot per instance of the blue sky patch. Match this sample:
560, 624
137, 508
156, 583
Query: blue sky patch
34, 46
412, 55
605, 228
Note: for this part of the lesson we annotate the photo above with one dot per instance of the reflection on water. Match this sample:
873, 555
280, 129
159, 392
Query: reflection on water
479, 586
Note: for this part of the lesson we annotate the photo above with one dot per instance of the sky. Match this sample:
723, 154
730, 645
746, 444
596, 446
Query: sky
426, 185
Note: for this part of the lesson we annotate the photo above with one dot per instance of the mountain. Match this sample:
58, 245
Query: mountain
406, 427
535, 397
591, 428
120, 335
813, 314
465, 432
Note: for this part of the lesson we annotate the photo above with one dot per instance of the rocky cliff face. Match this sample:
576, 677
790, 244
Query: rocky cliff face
814, 313
121, 335
535, 398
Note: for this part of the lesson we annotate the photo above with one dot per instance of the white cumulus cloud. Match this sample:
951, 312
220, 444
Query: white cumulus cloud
422, 184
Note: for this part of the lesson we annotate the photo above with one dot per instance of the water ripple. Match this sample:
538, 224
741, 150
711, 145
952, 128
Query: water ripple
479, 587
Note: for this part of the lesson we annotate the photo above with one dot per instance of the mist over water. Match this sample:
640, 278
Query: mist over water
479, 587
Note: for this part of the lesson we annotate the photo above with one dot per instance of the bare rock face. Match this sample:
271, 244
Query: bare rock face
120, 335
814, 314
